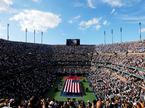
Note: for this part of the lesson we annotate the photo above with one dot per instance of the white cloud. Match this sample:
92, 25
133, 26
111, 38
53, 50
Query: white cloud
114, 3
92, 22
105, 22
132, 19
98, 27
5, 5
77, 17
120, 3
74, 19
70, 21
129, 3
90, 4
35, 19
143, 30
35, 0
113, 10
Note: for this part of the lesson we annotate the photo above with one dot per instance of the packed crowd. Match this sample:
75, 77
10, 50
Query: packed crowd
36, 102
22, 71
28, 69
72, 53
132, 63
138, 47
71, 70
121, 87
28, 82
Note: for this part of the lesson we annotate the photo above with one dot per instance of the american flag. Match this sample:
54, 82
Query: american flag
71, 86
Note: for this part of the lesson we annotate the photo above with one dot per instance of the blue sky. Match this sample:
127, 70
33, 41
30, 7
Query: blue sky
63, 19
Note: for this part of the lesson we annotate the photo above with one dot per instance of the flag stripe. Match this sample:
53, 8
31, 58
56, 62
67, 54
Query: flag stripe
73, 87
65, 85
78, 88
68, 86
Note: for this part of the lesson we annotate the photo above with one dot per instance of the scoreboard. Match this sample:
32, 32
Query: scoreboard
73, 42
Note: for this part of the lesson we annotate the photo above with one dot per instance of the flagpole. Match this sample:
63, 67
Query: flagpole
140, 30
105, 37
41, 37
34, 35
121, 34
8, 31
26, 35
112, 35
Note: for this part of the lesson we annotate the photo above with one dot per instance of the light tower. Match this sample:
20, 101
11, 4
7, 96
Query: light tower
140, 30
8, 31
105, 37
41, 37
34, 35
26, 35
121, 34
112, 35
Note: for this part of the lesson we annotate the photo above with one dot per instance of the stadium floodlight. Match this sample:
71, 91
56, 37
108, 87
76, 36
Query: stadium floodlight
112, 35
8, 31
105, 37
41, 37
34, 35
140, 30
26, 34
121, 34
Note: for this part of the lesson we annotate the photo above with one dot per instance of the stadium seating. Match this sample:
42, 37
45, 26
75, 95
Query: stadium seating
116, 73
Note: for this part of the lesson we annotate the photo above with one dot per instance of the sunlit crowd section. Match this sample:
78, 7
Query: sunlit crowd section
116, 73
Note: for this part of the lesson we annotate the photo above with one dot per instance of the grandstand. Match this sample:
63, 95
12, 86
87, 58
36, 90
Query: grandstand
75, 76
